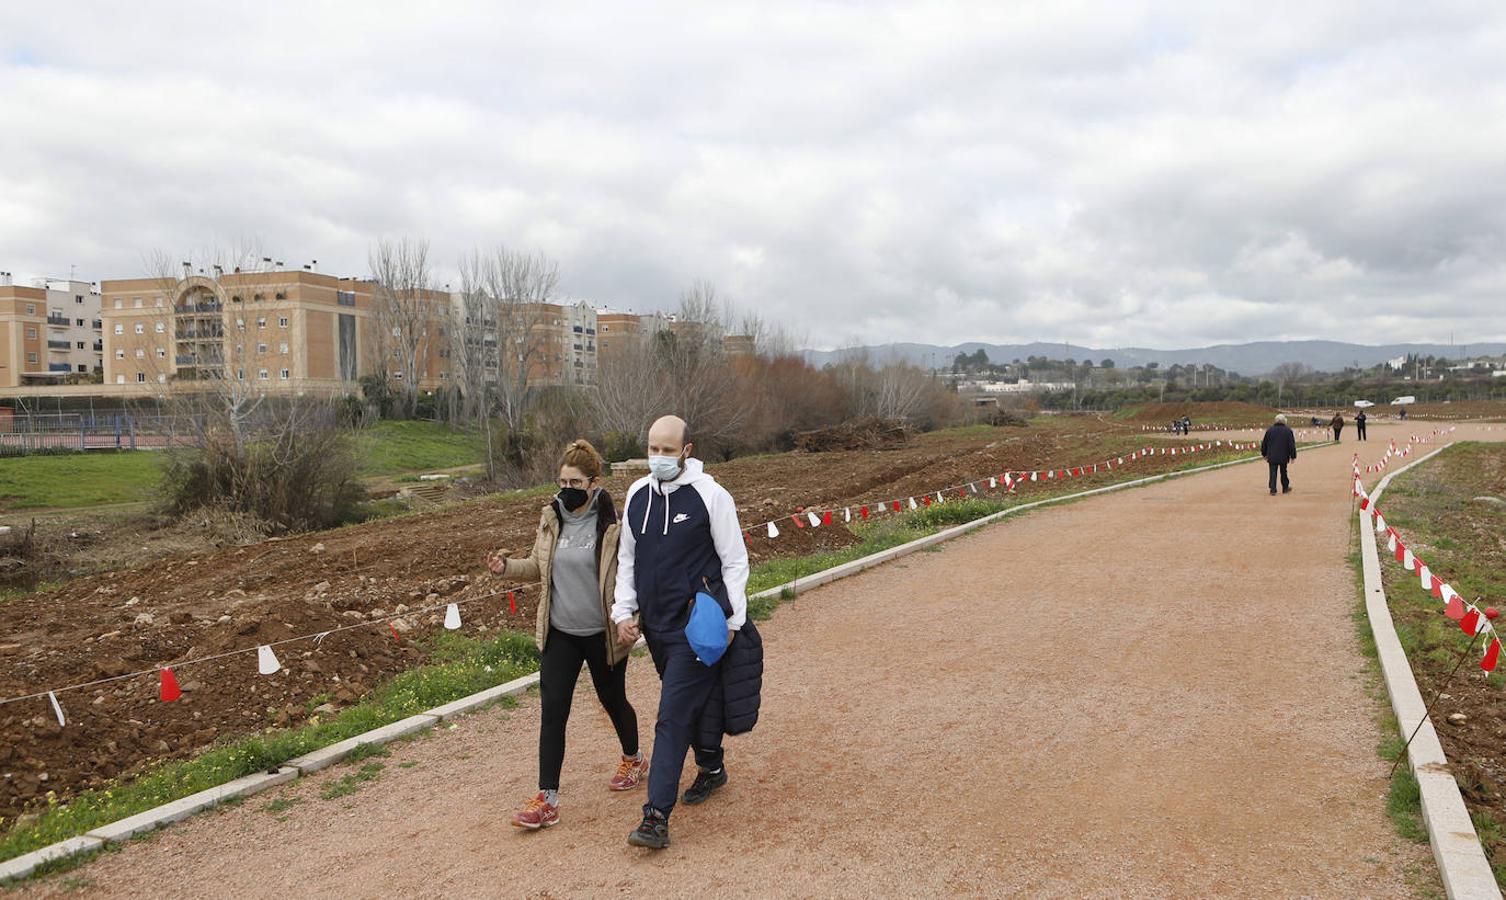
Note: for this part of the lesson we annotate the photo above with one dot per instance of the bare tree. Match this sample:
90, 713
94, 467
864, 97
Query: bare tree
473, 339
404, 307
1288, 373
521, 289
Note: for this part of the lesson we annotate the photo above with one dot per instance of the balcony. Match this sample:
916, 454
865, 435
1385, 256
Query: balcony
58, 345
97, 325
62, 321
99, 346
196, 334
59, 367
204, 308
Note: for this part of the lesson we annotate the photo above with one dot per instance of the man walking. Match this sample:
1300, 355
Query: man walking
1337, 425
1279, 447
680, 536
1359, 425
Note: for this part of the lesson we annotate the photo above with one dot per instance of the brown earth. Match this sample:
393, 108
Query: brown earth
1149, 694
1222, 413
88, 629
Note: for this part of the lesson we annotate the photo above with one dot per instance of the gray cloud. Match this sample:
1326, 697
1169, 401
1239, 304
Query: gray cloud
1108, 174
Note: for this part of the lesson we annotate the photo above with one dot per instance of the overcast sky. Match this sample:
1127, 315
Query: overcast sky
1111, 174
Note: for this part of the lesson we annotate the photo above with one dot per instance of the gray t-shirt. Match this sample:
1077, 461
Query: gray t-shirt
575, 592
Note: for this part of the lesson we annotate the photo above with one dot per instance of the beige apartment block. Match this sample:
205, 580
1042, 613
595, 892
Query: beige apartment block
65, 347
286, 330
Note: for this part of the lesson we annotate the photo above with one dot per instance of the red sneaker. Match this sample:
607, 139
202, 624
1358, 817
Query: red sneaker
629, 773
539, 813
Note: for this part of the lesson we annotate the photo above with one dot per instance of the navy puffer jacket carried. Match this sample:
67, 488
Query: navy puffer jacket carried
733, 705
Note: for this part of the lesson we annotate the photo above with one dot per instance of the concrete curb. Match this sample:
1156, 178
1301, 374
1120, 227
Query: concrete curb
1456, 848
24, 865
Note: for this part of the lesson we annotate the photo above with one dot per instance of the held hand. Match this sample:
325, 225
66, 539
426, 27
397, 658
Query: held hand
496, 561
627, 632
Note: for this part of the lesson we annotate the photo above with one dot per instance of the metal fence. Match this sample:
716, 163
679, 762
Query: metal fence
56, 432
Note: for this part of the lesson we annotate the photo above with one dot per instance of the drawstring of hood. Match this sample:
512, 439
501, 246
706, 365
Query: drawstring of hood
690, 473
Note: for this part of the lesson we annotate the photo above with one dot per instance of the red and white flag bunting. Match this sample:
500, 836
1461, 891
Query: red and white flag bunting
1472, 620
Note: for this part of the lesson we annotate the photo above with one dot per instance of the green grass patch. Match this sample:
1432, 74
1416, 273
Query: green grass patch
394, 447
346, 785
78, 479
458, 666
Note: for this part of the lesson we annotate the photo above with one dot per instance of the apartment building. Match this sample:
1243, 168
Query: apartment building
619, 330
565, 345
284, 329
49, 331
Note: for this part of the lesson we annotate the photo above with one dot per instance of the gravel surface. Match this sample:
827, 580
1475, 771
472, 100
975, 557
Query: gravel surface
1154, 693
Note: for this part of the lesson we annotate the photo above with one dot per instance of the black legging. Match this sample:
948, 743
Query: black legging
558, 671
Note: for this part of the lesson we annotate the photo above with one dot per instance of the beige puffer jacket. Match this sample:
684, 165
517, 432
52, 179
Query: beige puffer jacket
539, 564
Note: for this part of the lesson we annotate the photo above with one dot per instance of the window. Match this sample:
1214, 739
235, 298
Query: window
236, 299
140, 328
79, 322
161, 353
119, 379
56, 313
31, 308
284, 374
161, 327
82, 367
281, 296
140, 353
282, 348
119, 328
136, 302
120, 353
157, 302
79, 344
240, 323
262, 375
78, 298
31, 358
257, 298
240, 374
282, 321
161, 377
397, 331
119, 303
261, 321
140, 377
261, 348
31, 334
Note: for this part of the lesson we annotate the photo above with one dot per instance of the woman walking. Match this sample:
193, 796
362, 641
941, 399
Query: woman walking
575, 559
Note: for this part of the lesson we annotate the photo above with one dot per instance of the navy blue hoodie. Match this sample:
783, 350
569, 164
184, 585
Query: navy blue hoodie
679, 537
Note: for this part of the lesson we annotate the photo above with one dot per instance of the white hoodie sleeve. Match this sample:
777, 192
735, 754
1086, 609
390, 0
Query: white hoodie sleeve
727, 536
625, 597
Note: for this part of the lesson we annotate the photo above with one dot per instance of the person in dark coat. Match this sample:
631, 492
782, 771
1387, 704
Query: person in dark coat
1279, 448
1187, 425
1359, 425
680, 536
1337, 424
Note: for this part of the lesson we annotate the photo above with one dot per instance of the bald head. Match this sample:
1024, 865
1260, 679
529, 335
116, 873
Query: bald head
668, 436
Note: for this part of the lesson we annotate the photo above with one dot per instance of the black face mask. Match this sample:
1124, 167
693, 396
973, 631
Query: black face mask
573, 498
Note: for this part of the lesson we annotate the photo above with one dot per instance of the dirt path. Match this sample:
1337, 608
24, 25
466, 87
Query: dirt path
1154, 693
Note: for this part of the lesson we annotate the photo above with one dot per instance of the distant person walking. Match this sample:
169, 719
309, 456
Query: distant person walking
575, 558
682, 537
1359, 425
1279, 448
1337, 424
1186, 424
1403, 413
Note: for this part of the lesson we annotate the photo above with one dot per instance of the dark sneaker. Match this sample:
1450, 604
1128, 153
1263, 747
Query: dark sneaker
652, 832
1286, 490
704, 785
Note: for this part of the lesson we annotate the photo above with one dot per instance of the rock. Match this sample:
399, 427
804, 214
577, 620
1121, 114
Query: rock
190, 687
321, 587
1493, 501
377, 613
223, 620
326, 709
352, 614
312, 665
109, 634
133, 601
1457, 718
145, 619
431, 598
317, 548
402, 625
400, 609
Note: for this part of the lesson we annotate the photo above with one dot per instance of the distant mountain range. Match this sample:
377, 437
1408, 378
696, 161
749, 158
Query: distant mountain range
1257, 358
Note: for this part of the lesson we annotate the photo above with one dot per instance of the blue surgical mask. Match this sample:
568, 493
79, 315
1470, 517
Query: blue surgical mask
665, 468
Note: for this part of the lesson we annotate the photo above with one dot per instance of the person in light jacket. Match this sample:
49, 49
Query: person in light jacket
681, 536
575, 558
